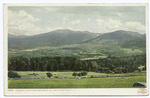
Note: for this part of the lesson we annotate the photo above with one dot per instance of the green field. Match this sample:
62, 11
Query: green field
40, 74
109, 82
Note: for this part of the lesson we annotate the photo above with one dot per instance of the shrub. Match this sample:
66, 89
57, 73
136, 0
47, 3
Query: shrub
92, 77
84, 73
55, 77
79, 74
74, 74
49, 74
34, 74
12, 74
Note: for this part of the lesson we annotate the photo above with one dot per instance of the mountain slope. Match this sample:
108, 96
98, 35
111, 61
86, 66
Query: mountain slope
79, 44
126, 39
54, 38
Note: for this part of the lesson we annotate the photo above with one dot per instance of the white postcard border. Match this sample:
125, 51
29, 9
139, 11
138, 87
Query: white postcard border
95, 91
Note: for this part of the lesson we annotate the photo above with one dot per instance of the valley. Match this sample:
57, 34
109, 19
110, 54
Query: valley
96, 45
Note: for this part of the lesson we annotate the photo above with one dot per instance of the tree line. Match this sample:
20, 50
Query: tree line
115, 64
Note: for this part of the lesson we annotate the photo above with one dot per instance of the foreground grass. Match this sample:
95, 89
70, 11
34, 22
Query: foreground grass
109, 82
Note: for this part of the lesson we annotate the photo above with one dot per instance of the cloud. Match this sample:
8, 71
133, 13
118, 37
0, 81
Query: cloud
88, 19
51, 9
132, 13
135, 26
100, 21
75, 22
102, 10
65, 20
22, 23
112, 24
109, 24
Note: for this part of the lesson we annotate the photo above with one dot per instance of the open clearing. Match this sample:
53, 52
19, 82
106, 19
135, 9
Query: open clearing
42, 74
109, 82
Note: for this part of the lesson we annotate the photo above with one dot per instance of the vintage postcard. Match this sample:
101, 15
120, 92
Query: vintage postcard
76, 49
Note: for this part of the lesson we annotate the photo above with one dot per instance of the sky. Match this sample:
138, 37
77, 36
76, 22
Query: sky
33, 20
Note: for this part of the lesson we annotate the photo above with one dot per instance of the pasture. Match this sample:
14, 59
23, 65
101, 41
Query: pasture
108, 82
42, 74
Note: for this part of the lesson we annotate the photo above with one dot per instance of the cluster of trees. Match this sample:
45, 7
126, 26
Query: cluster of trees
84, 73
49, 74
109, 64
12, 74
41, 63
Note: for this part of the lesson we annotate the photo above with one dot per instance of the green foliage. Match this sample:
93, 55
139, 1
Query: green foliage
94, 65
144, 68
117, 70
49, 74
12, 74
79, 74
83, 73
67, 64
74, 74
130, 63
112, 67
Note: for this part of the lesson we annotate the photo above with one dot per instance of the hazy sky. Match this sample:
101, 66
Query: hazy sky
97, 19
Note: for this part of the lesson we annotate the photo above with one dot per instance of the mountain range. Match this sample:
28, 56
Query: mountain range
68, 37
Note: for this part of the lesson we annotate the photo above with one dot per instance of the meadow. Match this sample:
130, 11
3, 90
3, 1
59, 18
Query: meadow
42, 74
108, 82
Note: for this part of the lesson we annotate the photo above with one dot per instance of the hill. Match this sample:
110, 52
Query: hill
124, 38
80, 44
54, 38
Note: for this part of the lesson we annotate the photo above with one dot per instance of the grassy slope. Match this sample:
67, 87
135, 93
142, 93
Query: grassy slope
109, 82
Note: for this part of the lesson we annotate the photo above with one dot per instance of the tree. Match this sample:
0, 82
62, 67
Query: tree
117, 70
32, 64
84, 73
94, 66
50, 65
74, 64
55, 65
79, 74
67, 64
12, 74
49, 74
9, 64
112, 67
43, 64
74, 74
85, 66
59, 60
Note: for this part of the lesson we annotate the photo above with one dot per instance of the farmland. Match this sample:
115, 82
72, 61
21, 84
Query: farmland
42, 74
109, 82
